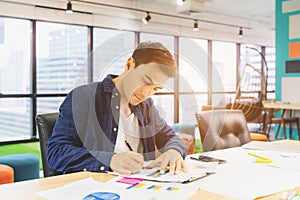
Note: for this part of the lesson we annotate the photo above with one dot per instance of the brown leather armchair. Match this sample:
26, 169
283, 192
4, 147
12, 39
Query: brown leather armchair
221, 129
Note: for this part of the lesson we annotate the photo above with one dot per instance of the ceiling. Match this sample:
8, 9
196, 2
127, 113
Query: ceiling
257, 17
237, 12
226, 11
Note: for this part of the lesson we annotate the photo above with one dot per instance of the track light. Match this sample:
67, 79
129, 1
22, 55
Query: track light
180, 2
147, 18
69, 8
241, 32
196, 28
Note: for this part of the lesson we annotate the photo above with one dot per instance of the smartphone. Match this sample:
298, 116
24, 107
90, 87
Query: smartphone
209, 159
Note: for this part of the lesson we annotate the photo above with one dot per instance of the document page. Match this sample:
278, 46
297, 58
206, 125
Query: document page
145, 190
291, 146
196, 170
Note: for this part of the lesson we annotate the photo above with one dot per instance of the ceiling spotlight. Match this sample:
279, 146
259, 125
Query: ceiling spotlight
147, 18
69, 8
180, 2
196, 28
241, 32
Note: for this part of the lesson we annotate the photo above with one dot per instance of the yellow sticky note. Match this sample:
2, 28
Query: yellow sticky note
263, 161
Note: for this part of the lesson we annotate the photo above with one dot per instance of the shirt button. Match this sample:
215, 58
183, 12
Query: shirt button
113, 96
102, 168
115, 129
117, 107
116, 94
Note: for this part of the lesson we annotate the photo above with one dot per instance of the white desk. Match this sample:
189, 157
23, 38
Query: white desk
281, 105
239, 178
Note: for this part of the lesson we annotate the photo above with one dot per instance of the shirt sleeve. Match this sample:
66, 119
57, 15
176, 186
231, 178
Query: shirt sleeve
166, 137
66, 152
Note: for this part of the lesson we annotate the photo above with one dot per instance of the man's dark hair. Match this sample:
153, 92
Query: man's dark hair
147, 52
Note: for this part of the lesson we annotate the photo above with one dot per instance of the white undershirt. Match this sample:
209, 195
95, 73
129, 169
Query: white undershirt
129, 131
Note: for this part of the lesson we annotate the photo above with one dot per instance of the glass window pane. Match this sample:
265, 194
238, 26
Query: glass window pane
221, 100
168, 42
271, 59
188, 105
165, 105
224, 66
48, 104
15, 56
61, 54
250, 55
15, 119
112, 48
193, 65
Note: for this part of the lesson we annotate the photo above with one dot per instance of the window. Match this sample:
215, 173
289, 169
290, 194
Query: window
271, 59
224, 71
224, 66
61, 55
61, 58
193, 73
15, 80
15, 56
165, 100
63, 63
111, 50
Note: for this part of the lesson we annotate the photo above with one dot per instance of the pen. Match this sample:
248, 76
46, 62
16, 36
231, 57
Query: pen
257, 156
260, 158
128, 145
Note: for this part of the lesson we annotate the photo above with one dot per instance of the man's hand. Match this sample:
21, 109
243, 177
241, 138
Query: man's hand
127, 163
172, 158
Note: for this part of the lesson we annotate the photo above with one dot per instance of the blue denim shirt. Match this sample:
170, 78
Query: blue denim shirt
85, 132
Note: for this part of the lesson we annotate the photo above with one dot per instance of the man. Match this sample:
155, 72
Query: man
114, 125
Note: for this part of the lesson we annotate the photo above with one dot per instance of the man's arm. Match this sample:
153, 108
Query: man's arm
173, 149
66, 152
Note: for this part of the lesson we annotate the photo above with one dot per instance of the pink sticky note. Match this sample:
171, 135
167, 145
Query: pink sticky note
130, 181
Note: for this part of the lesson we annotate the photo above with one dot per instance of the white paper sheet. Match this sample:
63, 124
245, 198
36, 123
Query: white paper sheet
242, 178
273, 146
196, 170
79, 189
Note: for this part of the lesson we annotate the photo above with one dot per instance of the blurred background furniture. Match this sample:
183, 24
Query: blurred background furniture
284, 119
252, 91
6, 174
221, 129
186, 133
250, 94
45, 124
256, 136
25, 166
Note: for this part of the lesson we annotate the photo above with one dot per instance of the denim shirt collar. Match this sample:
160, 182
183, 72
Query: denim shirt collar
108, 84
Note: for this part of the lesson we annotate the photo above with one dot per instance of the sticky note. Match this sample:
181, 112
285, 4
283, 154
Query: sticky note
130, 181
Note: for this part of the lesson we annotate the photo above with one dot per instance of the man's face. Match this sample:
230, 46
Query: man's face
143, 93
139, 83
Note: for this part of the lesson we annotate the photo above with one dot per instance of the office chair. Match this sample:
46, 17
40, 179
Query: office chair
221, 129
45, 124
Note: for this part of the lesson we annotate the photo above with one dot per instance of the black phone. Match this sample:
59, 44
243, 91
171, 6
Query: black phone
209, 159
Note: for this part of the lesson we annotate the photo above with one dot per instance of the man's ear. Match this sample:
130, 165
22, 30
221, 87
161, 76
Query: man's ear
130, 64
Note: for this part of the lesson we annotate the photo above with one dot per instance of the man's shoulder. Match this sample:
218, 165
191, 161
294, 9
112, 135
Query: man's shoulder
86, 87
147, 103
